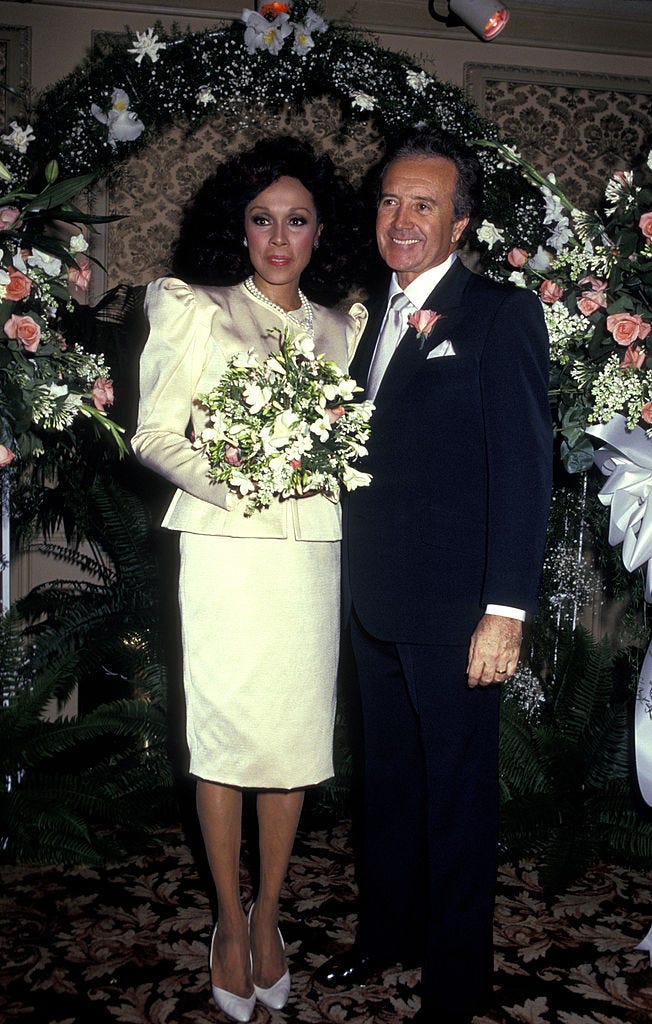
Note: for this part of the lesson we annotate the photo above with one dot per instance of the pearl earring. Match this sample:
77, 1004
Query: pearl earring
245, 242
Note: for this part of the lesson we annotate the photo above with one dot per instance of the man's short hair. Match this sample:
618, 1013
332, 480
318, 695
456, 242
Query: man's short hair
436, 142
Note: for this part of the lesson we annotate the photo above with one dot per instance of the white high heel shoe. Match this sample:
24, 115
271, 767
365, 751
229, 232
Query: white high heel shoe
238, 1008
276, 996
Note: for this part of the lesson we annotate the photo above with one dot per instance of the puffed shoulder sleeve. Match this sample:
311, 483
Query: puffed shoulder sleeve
359, 316
171, 366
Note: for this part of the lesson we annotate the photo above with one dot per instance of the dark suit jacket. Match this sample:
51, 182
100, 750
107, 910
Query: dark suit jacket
460, 452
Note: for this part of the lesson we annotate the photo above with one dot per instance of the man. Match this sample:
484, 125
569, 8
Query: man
443, 558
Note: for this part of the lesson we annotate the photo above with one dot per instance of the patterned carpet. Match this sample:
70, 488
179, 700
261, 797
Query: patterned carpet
129, 943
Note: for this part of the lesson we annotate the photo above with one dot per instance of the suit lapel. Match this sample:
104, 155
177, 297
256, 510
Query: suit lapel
445, 298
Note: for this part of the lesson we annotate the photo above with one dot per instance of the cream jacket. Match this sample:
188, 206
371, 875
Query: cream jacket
193, 333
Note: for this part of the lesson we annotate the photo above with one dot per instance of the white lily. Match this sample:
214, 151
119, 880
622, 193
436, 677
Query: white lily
18, 137
146, 44
353, 478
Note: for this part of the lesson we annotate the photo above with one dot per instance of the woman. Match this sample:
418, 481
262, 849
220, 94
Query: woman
259, 595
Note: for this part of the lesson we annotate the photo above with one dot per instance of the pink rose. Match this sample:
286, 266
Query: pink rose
423, 321
550, 292
517, 257
24, 329
6, 455
102, 393
645, 224
646, 412
597, 284
19, 286
232, 455
8, 217
79, 276
634, 356
590, 301
627, 328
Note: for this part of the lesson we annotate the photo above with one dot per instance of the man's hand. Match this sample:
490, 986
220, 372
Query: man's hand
494, 648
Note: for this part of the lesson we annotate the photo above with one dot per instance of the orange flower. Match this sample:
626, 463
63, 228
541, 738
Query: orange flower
517, 257
19, 286
646, 412
627, 328
25, 330
550, 292
273, 9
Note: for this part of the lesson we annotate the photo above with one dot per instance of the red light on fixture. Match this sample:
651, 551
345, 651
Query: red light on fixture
484, 17
496, 23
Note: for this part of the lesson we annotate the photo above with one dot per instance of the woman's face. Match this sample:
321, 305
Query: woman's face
281, 227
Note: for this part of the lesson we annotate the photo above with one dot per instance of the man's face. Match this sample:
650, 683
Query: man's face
415, 224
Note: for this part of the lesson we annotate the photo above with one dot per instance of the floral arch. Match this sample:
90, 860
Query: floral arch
152, 113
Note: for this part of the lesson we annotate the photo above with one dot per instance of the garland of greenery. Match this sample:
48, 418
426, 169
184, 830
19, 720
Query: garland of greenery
117, 100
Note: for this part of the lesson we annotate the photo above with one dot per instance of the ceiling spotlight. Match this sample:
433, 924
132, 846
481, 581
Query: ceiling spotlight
484, 17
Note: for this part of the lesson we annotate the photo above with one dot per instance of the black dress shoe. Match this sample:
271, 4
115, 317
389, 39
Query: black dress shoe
349, 969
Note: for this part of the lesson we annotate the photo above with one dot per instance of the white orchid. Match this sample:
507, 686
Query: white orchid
489, 233
417, 80
256, 397
541, 261
322, 427
362, 100
246, 360
205, 95
49, 264
261, 34
146, 44
123, 123
314, 23
561, 234
18, 137
303, 41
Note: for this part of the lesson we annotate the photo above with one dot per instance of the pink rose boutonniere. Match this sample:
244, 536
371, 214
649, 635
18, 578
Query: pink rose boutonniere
423, 322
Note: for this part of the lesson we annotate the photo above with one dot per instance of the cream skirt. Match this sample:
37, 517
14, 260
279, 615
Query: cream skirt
260, 627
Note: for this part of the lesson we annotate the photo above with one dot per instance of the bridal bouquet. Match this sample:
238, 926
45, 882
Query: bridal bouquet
285, 426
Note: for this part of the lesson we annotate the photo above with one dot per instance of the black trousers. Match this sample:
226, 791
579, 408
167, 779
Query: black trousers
429, 859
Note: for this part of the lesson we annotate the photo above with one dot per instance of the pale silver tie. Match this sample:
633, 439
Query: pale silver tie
389, 338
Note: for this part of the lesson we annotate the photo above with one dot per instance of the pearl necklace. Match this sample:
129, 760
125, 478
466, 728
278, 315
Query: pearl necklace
305, 321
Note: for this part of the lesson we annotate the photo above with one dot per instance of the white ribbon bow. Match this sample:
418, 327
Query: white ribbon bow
626, 460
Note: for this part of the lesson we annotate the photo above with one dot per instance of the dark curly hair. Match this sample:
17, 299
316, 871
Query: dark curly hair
210, 249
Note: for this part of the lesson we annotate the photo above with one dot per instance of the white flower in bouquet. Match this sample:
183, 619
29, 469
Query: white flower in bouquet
284, 426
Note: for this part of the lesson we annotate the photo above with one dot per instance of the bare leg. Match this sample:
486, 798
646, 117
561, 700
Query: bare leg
220, 816
278, 817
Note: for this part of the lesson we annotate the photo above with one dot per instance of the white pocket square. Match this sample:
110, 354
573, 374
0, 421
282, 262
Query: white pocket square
445, 348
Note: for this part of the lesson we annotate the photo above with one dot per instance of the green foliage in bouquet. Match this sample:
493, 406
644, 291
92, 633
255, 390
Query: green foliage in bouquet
566, 795
75, 786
